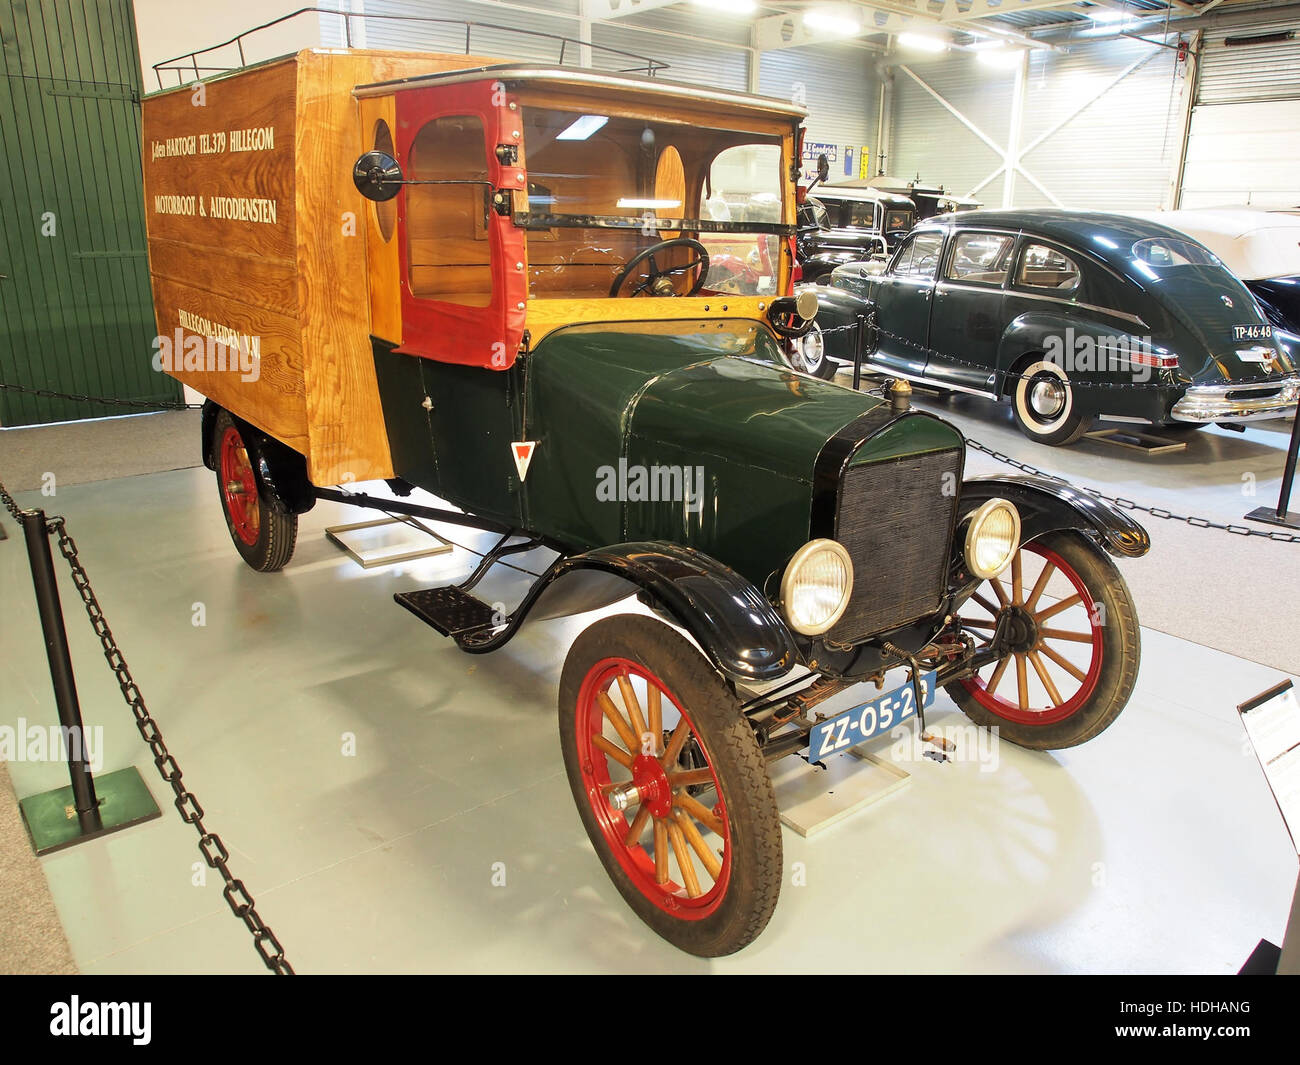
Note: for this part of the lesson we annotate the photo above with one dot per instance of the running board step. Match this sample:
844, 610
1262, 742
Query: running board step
450, 610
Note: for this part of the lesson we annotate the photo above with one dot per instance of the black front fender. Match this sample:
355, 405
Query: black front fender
1048, 506
737, 628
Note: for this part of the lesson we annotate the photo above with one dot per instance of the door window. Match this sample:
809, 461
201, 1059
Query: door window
919, 257
447, 247
1044, 267
980, 258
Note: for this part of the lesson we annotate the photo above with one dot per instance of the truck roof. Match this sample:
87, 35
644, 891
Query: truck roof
572, 77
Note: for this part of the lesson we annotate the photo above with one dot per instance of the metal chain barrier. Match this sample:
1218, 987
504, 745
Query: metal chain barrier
1118, 501
1009, 375
1128, 504
140, 404
210, 845
15, 511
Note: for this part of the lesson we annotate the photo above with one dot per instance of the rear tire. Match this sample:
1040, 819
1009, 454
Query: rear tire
1046, 405
263, 531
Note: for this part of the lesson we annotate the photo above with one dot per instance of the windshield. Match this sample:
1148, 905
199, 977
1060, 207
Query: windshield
604, 188
1170, 252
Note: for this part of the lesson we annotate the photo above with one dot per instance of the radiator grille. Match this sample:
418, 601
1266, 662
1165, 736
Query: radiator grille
895, 518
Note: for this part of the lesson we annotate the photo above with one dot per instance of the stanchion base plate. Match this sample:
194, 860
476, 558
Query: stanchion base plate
1269, 516
51, 819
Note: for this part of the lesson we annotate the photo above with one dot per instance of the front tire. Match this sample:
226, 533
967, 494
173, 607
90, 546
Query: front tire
263, 531
1076, 658
696, 852
1046, 405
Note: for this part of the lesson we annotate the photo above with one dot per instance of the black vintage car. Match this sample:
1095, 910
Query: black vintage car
844, 225
1068, 315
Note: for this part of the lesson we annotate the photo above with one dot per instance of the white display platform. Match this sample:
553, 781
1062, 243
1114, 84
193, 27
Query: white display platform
812, 799
387, 540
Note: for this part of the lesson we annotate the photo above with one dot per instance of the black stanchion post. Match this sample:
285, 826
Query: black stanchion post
1283, 516
39, 555
859, 341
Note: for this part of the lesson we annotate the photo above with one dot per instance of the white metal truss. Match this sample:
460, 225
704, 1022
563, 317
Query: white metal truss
1013, 152
612, 9
774, 32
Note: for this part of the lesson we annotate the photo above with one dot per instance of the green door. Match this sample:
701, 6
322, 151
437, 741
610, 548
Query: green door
76, 314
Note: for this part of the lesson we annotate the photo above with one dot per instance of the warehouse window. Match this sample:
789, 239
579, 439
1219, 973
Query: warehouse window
447, 225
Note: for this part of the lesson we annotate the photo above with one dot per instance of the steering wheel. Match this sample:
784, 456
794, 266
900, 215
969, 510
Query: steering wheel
658, 282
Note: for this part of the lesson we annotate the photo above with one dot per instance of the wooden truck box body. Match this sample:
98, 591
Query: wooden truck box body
257, 236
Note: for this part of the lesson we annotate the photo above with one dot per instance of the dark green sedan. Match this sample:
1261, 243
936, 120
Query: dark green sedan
1069, 316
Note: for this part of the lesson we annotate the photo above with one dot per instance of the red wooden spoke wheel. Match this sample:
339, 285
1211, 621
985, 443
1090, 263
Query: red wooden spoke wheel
670, 784
1073, 644
238, 486
261, 527
673, 847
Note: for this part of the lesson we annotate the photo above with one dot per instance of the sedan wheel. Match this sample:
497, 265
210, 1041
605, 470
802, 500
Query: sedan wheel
1046, 407
808, 354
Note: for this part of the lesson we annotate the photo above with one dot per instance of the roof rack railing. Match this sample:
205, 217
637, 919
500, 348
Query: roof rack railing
187, 64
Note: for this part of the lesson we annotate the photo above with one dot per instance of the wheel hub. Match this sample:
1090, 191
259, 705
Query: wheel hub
1022, 630
1047, 397
652, 785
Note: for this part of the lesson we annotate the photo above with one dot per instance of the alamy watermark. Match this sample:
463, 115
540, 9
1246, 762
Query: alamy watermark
52, 743
633, 483
199, 345
1084, 353
951, 743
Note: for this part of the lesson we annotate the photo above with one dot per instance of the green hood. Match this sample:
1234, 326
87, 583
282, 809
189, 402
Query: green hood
712, 402
766, 416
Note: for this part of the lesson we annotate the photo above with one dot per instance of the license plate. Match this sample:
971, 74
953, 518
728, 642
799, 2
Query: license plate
1252, 332
852, 727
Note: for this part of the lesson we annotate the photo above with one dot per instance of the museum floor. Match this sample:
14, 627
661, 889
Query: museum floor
1157, 847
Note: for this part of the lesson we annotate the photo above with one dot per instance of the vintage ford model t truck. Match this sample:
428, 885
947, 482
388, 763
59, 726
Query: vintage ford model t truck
498, 282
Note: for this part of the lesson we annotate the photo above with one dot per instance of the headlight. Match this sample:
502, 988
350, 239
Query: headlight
816, 586
992, 537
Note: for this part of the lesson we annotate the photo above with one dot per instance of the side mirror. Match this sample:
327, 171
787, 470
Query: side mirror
823, 168
377, 176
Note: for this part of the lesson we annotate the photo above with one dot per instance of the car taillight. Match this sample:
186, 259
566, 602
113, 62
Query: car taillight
1151, 358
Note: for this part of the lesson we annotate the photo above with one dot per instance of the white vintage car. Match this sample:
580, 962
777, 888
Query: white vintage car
1262, 247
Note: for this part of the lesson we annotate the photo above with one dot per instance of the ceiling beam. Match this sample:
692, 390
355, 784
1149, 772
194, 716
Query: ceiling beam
606, 10
880, 16
980, 9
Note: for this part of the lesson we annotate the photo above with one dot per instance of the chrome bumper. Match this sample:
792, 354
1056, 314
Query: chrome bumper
1238, 403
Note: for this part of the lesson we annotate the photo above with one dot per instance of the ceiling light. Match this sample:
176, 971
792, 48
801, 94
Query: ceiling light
1002, 58
922, 42
986, 44
582, 128
1106, 14
731, 7
832, 22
